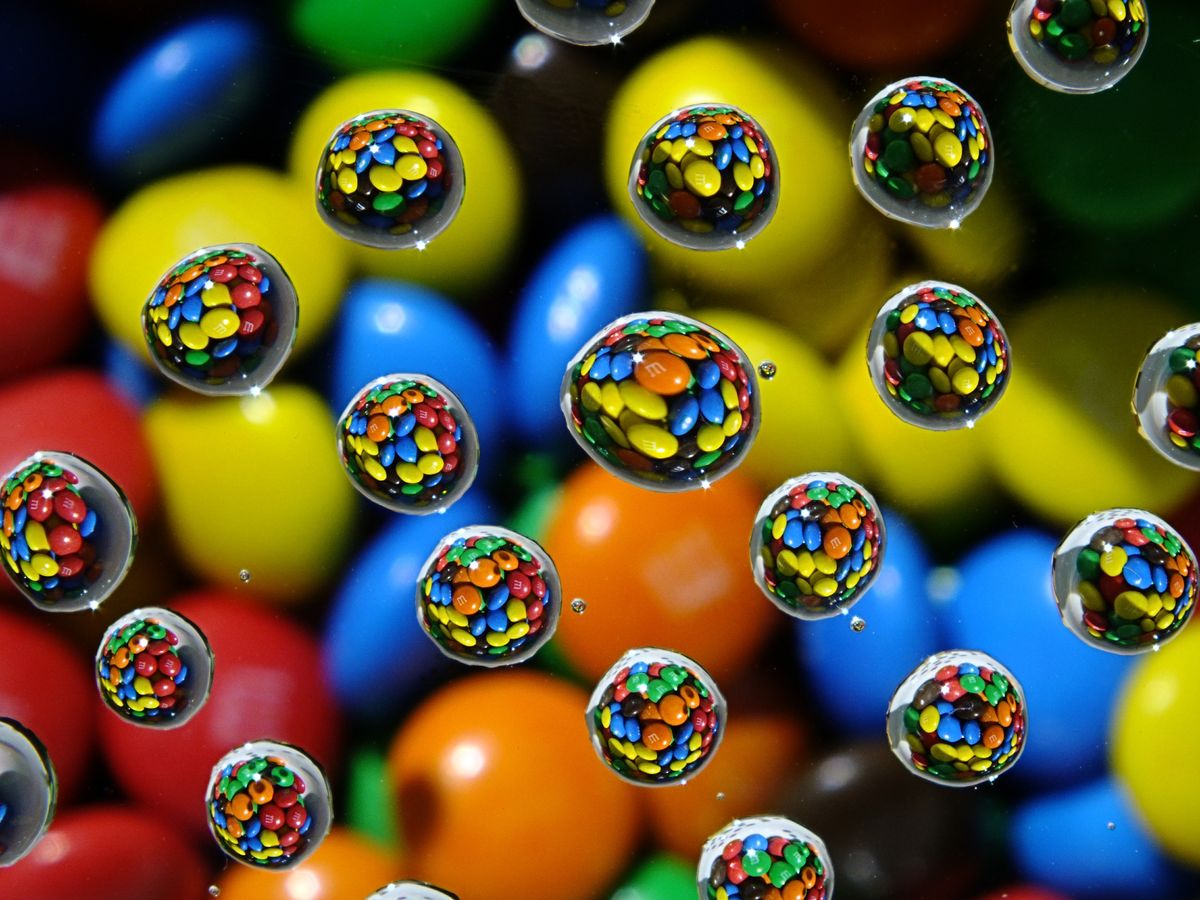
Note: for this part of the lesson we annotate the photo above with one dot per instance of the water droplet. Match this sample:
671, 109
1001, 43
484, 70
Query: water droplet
858, 624
1112, 826
720, 795
214, 891
578, 605
244, 574
767, 369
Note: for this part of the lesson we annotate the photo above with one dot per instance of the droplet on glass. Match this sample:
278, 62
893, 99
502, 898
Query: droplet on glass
764, 856
1165, 397
858, 624
412, 890
586, 22
578, 605
244, 574
767, 370
28, 791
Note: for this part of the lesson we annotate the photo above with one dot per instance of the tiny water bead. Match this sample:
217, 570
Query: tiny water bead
767, 370
1078, 46
578, 605
68, 534
268, 804
921, 152
858, 625
222, 320
656, 717
958, 719
588, 23
764, 858
411, 890
1124, 581
244, 575
390, 179
407, 443
28, 791
938, 357
705, 177
817, 544
1166, 396
488, 596
154, 668
662, 401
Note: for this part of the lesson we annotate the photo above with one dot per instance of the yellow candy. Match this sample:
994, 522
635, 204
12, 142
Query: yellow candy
733, 423
962, 349
942, 752
645, 403
1164, 621
702, 177
965, 380
347, 180
35, 536
923, 119
778, 526
826, 587
515, 610
430, 464
518, 630
674, 176
700, 146
425, 439
710, 437
805, 565
497, 639
411, 167
943, 351
408, 473
1181, 391
758, 168
463, 637
729, 394
918, 348
142, 685
385, 178
1113, 561
947, 149
164, 334
45, 566
786, 563
589, 397
215, 295
1116, 9
611, 399
943, 118
1091, 597
742, 177
220, 323
645, 752
454, 617
652, 441
613, 430
372, 467
902, 120
1130, 605
825, 564
921, 147
193, 336
650, 768
929, 719
658, 155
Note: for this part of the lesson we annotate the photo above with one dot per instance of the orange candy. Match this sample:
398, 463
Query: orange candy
673, 710
837, 542
378, 428
467, 599
239, 806
663, 373
657, 737
484, 572
794, 890
684, 346
506, 560
993, 737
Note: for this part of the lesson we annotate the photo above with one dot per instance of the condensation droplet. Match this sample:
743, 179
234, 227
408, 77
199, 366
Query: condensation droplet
214, 891
1112, 826
767, 369
578, 605
244, 574
858, 624
720, 795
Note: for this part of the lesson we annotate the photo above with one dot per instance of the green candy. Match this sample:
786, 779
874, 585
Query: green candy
756, 862
707, 459
781, 873
796, 855
972, 683
661, 878
1076, 13
674, 675
1087, 564
657, 689
918, 386
637, 682
899, 156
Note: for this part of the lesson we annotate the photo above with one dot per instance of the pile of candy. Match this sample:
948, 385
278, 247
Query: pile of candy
28, 791
488, 596
767, 865
1167, 396
705, 177
1103, 31
663, 401
817, 545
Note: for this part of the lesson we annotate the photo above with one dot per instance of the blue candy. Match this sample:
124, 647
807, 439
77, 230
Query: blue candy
712, 407
949, 729
1137, 573
685, 411
793, 533
812, 536
707, 373
754, 842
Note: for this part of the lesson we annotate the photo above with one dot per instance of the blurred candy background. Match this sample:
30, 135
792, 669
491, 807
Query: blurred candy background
196, 123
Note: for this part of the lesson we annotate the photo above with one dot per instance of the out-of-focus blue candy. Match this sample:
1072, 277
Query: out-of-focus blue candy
853, 674
1003, 606
391, 326
179, 96
1063, 841
127, 373
375, 654
593, 275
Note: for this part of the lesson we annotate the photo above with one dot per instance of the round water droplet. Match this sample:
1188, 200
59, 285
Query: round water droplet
578, 605
705, 177
488, 596
68, 532
767, 370
1112, 826
268, 804
222, 320
154, 668
656, 717
28, 791
858, 625
662, 401
938, 357
1076, 46
391, 179
214, 890
765, 855
586, 22
407, 443
817, 544
921, 152
244, 575
412, 890
1124, 581
958, 719
720, 795
1166, 398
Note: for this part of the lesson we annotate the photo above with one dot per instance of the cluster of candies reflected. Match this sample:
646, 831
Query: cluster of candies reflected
938, 357
817, 545
390, 179
705, 178
1167, 396
922, 152
586, 22
488, 596
656, 717
412, 890
958, 719
28, 791
1077, 46
222, 320
662, 401
764, 858
407, 443
1124, 581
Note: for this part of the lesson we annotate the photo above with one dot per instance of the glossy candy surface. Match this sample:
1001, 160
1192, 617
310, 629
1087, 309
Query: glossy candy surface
28, 791
1166, 396
764, 858
1078, 46
586, 22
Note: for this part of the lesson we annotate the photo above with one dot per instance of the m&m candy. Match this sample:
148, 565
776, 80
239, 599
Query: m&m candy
391, 179
154, 668
407, 443
958, 719
268, 804
656, 717
764, 858
1078, 46
488, 596
662, 401
586, 22
938, 357
68, 534
1124, 581
222, 320
817, 545
28, 791
705, 177
921, 152
1166, 396
411, 890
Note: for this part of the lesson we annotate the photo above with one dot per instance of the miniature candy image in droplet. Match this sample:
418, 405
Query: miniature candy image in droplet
938, 357
411, 890
222, 320
154, 668
1078, 46
958, 719
656, 717
390, 179
662, 401
68, 534
28, 791
764, 857
1166, 396
705, 177
588, 23
268, 804
407, 442
817, 544
488, 596
1124, 581
921, 152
